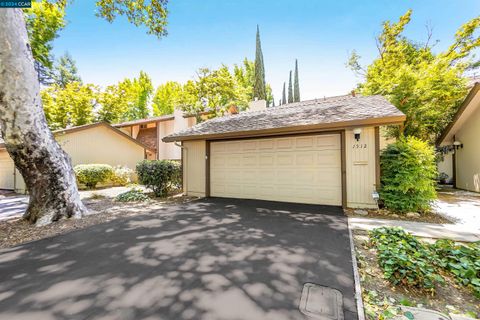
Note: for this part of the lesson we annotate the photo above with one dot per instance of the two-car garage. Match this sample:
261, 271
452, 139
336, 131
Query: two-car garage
323, 151
304, 168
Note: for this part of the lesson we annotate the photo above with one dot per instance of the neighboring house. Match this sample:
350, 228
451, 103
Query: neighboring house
92, 143
151, 131
123, 144
460, 144
323, 151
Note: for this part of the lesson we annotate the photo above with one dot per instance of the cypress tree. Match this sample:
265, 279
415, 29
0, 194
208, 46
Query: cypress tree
259, 85
296, 85
290, 89
284, 97
273, 102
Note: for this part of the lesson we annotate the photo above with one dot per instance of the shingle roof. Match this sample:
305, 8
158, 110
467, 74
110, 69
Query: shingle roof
144, 121
328, 113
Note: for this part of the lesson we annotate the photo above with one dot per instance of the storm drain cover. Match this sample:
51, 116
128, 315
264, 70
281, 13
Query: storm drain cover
319, 302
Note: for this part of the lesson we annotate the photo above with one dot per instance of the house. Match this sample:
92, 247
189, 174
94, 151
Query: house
323, 151
459, 144
123, 144
84, 144
150, 132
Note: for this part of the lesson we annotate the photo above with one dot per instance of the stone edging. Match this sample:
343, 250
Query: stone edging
356, 276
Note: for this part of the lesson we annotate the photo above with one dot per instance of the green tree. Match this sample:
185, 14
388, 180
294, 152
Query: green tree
66, 71
45, 168
259, 88
290, 89
44, 20
69, 106
296, 84
284, 97
428, 87
167, 97
113, 105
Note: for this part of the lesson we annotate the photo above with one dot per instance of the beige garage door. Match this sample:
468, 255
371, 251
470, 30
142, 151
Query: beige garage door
304, 169
6, 171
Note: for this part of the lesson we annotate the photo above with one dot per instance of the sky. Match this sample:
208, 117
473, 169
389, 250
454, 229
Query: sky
207, 33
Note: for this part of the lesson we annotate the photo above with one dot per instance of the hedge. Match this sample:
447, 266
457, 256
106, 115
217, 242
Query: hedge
408, 176
161, 176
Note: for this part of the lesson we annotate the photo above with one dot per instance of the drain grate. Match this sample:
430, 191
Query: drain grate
319, 302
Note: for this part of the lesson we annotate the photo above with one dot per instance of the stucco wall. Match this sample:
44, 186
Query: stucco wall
468, 157
100, 145
361, 168
94, 145
446, 166
194, 173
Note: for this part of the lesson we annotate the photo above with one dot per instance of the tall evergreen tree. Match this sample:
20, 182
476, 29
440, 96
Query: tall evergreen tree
296, 85
66, 71
290, 89
284, 97
259, 90
273, 102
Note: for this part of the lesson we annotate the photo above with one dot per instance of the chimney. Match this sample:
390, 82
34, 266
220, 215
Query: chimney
257, 105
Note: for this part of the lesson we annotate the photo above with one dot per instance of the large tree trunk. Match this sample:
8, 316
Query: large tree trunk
45, 167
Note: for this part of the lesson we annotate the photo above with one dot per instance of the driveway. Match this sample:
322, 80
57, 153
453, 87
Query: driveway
207, 259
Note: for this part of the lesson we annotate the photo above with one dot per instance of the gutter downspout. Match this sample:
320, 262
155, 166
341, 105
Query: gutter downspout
184, 167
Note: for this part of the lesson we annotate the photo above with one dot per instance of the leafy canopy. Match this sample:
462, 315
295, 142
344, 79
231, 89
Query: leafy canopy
427, 86
44, 20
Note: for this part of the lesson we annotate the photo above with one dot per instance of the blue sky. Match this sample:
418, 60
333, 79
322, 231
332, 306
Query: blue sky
208, 33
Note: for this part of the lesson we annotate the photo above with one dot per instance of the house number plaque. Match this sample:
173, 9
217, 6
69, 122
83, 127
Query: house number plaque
360, 146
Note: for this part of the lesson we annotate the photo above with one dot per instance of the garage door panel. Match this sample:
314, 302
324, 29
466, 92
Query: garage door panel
304, 169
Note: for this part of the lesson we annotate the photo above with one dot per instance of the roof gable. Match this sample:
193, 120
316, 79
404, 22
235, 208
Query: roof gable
467, 108
93, 125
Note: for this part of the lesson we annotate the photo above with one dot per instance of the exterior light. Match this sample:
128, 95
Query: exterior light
357, 132
458, 144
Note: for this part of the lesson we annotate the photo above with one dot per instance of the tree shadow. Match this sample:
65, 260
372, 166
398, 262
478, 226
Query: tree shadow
207, 259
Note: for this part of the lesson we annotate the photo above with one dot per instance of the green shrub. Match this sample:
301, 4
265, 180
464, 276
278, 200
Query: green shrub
92, 174
408, 175
462, 261
161, 176
404, 259
122, 176
132, 195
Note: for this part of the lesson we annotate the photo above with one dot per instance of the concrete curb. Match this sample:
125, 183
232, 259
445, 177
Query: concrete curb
356, 277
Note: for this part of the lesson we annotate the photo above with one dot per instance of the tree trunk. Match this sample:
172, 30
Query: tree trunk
45, 167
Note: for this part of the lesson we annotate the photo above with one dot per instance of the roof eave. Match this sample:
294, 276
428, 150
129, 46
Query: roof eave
458, 114
393, 120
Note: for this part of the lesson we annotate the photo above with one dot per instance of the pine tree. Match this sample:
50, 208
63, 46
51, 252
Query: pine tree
284, 98
290, 90
273, 102
259, 90
66, 71
296, 85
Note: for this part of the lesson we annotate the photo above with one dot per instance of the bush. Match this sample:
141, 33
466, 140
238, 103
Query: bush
408, 175
92, 174
122, 176
462, 261
404, 259
132, 195
161, 176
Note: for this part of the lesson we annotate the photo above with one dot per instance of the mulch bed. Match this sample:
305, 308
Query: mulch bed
101, 209
449, 298
430, 217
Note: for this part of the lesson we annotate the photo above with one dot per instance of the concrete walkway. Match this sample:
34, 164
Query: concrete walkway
457, 232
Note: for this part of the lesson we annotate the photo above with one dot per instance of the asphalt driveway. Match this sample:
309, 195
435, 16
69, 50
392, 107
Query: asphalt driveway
209, 259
